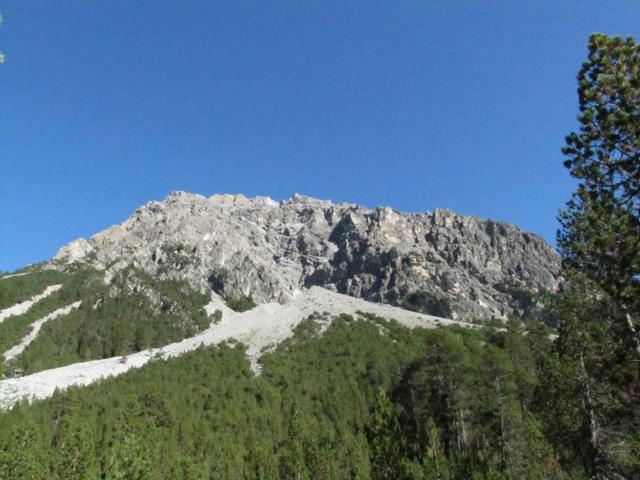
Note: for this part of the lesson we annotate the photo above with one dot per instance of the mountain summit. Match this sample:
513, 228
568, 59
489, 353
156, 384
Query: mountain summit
262, 250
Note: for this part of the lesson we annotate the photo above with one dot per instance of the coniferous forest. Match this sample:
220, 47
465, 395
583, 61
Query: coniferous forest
554, 394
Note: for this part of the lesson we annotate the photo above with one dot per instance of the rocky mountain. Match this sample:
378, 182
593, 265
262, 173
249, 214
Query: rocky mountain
264, 250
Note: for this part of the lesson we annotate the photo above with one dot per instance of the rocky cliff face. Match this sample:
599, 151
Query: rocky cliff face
268, 250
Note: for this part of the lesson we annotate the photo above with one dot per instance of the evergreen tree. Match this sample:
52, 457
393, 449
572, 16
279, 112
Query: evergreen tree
586, 399
600, 243
434, 460
76, 458
384, 440
129, 459
293, 460
600, 233
20, 454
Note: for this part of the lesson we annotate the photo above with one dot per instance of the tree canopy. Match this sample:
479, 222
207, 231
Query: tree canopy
600, 233
600, 243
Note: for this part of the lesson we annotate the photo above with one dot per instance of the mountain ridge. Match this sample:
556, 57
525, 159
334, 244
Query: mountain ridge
267, 250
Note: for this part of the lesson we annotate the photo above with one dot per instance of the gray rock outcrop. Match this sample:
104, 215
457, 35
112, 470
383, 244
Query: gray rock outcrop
269, 250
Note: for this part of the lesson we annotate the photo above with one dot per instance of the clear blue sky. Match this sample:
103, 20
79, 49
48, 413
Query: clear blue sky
105, 105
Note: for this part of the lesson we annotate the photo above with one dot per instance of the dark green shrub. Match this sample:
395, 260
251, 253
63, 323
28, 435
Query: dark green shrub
429, 303
241, 304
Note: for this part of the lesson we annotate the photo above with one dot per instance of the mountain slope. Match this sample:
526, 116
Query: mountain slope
255, 339
318, 410
260, 329
139, 290
269, 250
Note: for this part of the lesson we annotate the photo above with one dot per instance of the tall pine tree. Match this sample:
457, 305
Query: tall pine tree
600, 233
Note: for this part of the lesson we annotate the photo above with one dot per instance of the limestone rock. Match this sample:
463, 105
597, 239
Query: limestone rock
269, 250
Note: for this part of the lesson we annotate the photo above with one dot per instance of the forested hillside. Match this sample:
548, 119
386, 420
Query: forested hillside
367, 399
133, 312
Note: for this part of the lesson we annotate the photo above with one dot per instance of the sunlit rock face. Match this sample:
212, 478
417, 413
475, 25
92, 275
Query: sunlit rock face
269, 250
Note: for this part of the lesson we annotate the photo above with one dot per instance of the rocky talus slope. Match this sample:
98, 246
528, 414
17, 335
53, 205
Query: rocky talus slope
269, 251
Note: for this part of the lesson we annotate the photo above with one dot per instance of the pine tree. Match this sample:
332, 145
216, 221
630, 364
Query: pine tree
293, 464
76, 459
129, 460
600, 233
20, 455
434, 460
385, 440
600, 241
592, 382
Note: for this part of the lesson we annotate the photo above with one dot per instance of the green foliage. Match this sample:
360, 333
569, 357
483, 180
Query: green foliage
385, 439
596, 373
19, 450
241, 304
366, 399
216, 316
299, 453
175, 257
523, 300
16, 327
605, 154
17, 289
218, 280
74, 440
129, 459
429, 303
134, 313
596, 376
601, 227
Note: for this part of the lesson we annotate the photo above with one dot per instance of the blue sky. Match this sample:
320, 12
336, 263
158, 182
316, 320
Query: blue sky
105, 105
